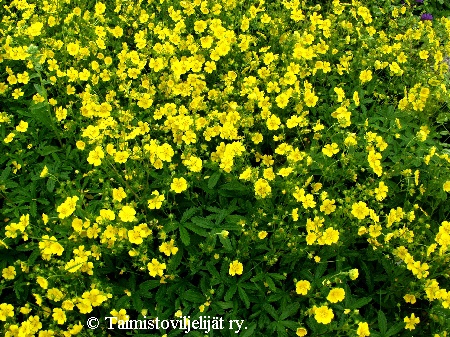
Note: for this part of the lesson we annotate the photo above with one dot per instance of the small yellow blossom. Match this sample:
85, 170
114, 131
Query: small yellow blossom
178, 185
302, 287
236, 268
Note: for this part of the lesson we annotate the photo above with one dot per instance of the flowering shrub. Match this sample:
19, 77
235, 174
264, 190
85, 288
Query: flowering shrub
274, 162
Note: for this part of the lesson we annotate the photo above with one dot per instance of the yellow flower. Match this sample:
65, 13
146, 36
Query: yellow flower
301, 332
411, 322
273, 123
329, 237
353, 274
285, 171
446, 186
22, 127
178, 185
6, 310
35, 29
262, 188
409, 298
295, 214
43, 283
330, 149
336, 295
365, 76
262, 235
64, 210
9, 138
118, 194
360, 210
323, 314
44, 172
168, 248
156, 268
302, 287
120, 315
363, 329
73, 48
17, 93
84, 306
134, 236
95, 156
126, 214
9, 273
99, 8
59, 316
381, 191
25, 309
328, 206
246, 175
80, 144
356, 98
423, 54
236, 268
121, 157
156, 201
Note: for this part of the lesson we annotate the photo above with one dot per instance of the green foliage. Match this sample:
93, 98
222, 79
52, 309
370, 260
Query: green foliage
289, 178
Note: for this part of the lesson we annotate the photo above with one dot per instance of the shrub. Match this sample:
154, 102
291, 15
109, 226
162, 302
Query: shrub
267, 167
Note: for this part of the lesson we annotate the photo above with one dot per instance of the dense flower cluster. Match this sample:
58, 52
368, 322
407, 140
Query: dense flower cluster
228, 151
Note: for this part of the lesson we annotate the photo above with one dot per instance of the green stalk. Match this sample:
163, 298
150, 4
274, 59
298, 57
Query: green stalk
44, 91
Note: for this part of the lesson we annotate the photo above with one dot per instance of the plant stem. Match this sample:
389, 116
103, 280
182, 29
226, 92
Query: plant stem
48, 108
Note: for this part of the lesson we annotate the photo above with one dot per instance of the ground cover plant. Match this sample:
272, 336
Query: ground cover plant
280, 163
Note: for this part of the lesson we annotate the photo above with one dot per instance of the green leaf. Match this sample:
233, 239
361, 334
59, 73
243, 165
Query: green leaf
226, 243
33, 208
224, 213
196, 229
123, 302
194, 296
230, 293
19, 288
212, 270
202, 222
277, 276
382, 322
249, 331
46, 150
39, 113
281, 330
271, 311
50, 185
149, 285
290, 324
39, 89
184, 235
189, 213
368, 276
393, 331
234, 186
212, 181
270, 284
320, 270
25, 247
225, 305
244, 297
176, 260
360, 303
33, 256
5, 173
137, 302
289, 310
